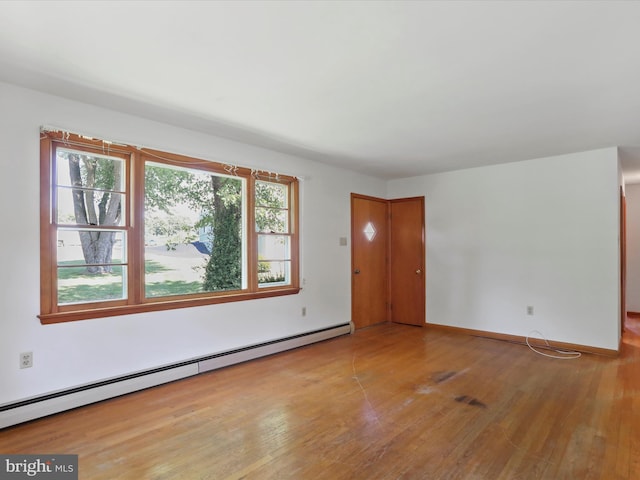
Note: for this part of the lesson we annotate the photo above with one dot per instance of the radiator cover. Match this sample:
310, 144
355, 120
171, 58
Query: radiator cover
55, 402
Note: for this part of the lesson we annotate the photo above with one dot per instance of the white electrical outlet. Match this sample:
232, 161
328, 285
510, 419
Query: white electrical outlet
529, 309
26, 360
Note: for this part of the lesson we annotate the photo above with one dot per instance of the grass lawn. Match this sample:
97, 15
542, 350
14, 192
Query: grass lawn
77, 285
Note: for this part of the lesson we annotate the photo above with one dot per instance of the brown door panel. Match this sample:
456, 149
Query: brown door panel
369, 273
407, 273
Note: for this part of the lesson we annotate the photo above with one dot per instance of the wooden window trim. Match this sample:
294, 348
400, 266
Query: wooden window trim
51, 312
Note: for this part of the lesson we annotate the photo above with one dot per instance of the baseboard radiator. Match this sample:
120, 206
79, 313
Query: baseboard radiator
48, 404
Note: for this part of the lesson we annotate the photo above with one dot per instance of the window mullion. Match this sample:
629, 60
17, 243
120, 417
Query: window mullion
67, 292
135, 228
252, 236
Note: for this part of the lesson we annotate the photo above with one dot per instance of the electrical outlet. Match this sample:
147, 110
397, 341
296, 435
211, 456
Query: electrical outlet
26, 360
304, 311
529, 309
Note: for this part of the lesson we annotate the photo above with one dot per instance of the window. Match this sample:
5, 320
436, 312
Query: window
274, 236
127, 229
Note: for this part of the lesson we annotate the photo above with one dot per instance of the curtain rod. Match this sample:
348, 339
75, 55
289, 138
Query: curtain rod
53, 129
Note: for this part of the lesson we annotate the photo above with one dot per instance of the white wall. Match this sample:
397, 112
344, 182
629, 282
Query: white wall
633, 247
75, 353
542, 232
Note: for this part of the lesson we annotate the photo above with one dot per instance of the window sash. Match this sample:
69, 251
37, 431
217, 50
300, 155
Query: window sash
132, 264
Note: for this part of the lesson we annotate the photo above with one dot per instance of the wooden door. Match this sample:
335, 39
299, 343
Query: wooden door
406, 252
369, 274
623, 260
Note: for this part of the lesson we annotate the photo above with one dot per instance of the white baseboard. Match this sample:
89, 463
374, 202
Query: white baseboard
68, 400
251, 353
31, 409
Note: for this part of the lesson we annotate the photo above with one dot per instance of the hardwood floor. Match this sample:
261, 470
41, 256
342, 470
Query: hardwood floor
389, 402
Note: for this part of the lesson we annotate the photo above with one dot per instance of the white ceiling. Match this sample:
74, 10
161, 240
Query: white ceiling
391, 88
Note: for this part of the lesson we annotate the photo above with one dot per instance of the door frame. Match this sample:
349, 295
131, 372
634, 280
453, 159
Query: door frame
389, 257
623, 260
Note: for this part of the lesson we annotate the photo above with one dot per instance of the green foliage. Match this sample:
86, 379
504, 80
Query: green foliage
264, 267
90, 292
272, 195
272, 279
164, 186
113, 291
216, 199
265, 275
224, 269
175, 229
151, 266
93, 179
172, 287
271, 202
82, 272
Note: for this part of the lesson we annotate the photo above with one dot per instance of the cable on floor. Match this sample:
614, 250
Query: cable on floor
566, 355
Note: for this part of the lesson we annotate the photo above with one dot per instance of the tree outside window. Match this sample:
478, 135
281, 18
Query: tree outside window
127, 230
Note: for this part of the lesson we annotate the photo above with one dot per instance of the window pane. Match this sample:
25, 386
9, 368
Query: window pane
272, 213
174, 271
273, 247
90, 266
271, 195
269, 220
274, 273
89, 189
83, 169
193, 231
274, 253
78, 285
106, 206
91, 247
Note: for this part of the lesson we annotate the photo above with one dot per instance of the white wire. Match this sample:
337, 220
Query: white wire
568, 355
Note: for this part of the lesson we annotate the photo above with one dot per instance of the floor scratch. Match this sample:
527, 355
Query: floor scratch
442, 377
522, 449
364, 392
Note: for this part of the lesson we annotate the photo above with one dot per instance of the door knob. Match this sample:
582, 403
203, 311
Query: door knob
356, 271
418, 272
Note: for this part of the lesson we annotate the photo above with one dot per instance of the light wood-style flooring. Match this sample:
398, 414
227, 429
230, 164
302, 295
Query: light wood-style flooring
389, 402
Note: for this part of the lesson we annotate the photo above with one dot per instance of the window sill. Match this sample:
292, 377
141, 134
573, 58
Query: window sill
156, 306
